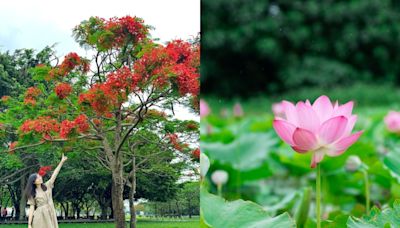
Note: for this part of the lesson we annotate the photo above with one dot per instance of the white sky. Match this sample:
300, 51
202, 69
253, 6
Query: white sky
35, 24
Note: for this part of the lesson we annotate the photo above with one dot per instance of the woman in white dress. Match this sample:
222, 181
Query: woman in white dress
42, 213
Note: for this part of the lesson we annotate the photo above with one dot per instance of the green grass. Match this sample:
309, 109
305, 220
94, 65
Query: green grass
141, 224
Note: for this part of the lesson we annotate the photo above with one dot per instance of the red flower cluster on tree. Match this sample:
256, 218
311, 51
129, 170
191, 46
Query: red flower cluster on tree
188, 79
112, 93
5, 98
63, 90
30, 101
114, 32
43, 125
187, 59
71, 61
80, 124
97, 121
191, 126
13, 145
194, 61
156, 113
109, 115
66, 128
126, 29
122, 80
195, 103
154, 63
134, 26
100, 97
43, 170
178, 58
173, 139
47, 137
196, 154
180, 51
31, 94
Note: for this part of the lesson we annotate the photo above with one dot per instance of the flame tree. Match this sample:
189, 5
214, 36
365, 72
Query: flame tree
107, 100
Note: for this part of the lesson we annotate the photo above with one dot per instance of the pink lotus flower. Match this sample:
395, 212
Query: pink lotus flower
238, 110
320, 128
204, 108
392, 121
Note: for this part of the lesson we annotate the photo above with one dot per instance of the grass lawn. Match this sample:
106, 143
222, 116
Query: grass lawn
141, 224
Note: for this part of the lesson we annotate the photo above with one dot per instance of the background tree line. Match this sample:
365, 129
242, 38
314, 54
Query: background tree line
274, 47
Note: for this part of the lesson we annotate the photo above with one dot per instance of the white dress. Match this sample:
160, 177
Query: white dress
44, 215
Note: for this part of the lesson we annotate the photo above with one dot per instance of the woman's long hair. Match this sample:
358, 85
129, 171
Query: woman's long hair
30, 189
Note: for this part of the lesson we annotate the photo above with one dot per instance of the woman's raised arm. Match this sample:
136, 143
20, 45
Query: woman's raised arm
57, 170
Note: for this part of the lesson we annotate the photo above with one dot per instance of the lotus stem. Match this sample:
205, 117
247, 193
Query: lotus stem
318, 197
219, 187
367, 201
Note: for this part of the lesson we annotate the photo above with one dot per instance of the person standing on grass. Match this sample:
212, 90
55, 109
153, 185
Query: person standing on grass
42, 213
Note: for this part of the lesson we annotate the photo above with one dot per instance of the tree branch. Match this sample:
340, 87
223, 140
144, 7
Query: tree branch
4, 179
139, 119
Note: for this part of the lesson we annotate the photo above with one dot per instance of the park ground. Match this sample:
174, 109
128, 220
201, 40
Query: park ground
143, 223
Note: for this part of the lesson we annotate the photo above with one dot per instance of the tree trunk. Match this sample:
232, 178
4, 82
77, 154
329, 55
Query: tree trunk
87, 211
63, 209
117, 198
73, 211
103, 212
15, 199
22, 202
189, 209
67, 211
178, 209
104, 205
132, 192
169, 209
117, 176
132, 222
78, 212
111, 211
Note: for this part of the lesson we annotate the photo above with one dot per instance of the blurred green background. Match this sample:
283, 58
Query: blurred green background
296, 49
